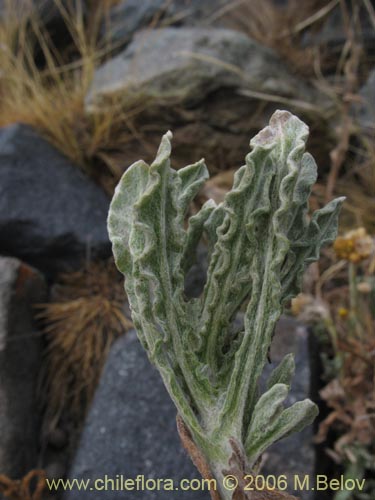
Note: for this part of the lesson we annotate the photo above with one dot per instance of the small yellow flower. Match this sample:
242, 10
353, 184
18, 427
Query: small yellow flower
354, 246
343, 312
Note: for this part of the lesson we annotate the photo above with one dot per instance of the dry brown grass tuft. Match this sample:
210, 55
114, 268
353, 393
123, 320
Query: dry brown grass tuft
85, 317
352, 165
45, 86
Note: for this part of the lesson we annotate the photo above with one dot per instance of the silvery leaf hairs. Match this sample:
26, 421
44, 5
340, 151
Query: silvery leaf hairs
260, 240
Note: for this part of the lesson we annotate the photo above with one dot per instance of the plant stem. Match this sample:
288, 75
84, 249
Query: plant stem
353, 289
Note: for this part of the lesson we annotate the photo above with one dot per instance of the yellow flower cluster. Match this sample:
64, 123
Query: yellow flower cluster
354, 246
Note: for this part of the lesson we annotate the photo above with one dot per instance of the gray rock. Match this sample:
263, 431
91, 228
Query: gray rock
208, 86
294, 455
51, 215
20, 358
46, 10
190, 63
365, 112
131, 429
129, 16
196, 276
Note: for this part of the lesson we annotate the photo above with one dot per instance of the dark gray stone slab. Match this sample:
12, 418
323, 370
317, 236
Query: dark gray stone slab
130, 16
365, 112
189, 63
131, 429
294, 455
20, 359
51, 214
127, 17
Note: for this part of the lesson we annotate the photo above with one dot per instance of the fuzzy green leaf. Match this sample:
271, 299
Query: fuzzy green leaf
293, 419
283, 373
260, 240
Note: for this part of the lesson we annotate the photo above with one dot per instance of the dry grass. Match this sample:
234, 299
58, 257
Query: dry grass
279, 27
49, 95
86, 315
338, 75
352, 169
342, 311
358, 184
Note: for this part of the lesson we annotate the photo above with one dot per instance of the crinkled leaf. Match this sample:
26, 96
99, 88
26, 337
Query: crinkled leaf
260, 240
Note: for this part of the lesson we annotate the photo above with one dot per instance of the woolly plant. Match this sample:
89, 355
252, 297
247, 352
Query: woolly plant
260, 239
